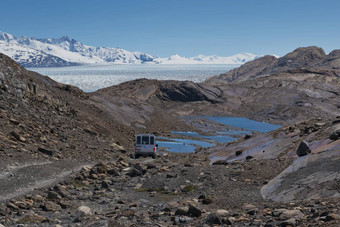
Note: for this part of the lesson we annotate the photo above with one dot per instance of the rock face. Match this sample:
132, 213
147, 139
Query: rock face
331, 61
300, 58
303, 149
305, 57
188, 92
250, 69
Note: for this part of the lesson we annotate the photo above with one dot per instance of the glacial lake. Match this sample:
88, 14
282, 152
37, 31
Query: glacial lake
244, 123
93, 77
195, 140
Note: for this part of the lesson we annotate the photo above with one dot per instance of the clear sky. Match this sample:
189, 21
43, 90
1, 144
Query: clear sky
186, 27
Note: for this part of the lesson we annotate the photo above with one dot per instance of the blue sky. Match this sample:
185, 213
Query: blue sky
185, 27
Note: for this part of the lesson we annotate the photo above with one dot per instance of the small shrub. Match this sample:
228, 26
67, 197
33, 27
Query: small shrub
188, 188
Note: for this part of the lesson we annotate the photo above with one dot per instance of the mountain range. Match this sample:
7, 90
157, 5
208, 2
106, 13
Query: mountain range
65, 51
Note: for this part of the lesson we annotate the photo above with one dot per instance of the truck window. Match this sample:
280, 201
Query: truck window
152, 140
145, 140
138, 140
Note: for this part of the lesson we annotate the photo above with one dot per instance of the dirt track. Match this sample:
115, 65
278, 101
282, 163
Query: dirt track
23, 179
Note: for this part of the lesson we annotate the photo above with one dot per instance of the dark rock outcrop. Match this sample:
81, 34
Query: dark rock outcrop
188, 92
303, 149
335, 135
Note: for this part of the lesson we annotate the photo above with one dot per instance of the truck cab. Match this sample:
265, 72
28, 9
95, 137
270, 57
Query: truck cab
145, 145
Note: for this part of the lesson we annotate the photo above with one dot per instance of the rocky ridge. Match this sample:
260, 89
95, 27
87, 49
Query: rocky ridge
302, 58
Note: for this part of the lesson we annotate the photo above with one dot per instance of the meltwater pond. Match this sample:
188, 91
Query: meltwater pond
244, 123
182, 145
197, 140
193, 140
220, 138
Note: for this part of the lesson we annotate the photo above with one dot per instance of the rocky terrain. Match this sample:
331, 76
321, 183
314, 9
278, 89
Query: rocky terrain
65, 155
301, 58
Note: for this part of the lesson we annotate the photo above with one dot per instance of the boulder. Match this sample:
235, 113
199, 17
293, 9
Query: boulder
53, 196
207, 200
331, 217
134, 173
220, 162
229, 221
105, 184
303, 149
249, 157
61, 190
222, 213
139, 167
83, 211
194, 211
335, 135
171, 175
163, 207
45, 151
113, 172
100, 167
51, 206
32, 218
182, 220
289, 222
289, 214
12, 206
248, 206
182, 211
213, 219
239, 152
3, 210
17, 136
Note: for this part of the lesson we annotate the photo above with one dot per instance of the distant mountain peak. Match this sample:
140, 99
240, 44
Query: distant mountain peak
6, 36
66, 51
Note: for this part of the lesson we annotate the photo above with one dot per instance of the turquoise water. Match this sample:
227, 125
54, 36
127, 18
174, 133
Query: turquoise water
235, 132
244, 123
217, 138
189, 145
181, 145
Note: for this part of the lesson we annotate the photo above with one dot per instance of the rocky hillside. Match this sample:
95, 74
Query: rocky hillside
44, 120
65, 155
301, 58
281, 98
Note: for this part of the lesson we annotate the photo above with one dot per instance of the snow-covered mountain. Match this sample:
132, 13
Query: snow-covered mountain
34, 52
202, 59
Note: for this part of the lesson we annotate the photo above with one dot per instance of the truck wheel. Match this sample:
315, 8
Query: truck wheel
136, 156
154, 156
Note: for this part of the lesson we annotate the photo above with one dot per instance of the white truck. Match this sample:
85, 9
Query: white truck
145, 145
